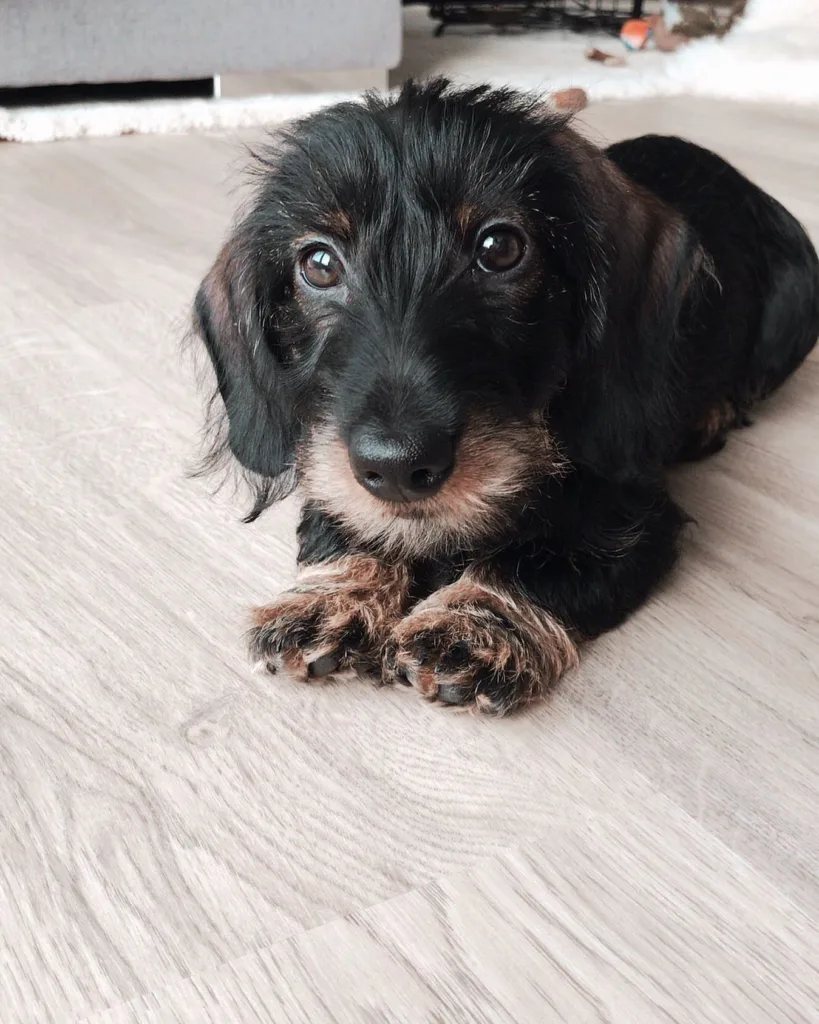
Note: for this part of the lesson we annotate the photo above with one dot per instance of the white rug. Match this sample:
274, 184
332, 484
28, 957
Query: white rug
771, 55
151, 117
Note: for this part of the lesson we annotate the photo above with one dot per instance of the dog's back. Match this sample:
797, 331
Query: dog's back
763, 303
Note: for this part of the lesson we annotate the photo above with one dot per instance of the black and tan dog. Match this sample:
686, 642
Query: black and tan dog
473, 343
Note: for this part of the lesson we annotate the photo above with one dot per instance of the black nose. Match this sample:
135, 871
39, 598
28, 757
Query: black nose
401, 468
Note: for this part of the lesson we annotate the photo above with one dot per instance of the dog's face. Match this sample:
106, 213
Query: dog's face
413, 284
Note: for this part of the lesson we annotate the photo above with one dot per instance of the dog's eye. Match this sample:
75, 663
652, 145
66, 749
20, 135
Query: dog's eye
500, 249
321, 268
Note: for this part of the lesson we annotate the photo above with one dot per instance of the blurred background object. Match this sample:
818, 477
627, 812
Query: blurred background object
43, 43
90, 67
577, 15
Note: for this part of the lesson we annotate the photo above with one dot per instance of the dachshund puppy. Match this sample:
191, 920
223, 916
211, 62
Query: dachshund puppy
473, 343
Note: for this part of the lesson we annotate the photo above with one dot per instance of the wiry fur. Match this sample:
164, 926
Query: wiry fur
336, 618
497, 465
479, 642
659, 296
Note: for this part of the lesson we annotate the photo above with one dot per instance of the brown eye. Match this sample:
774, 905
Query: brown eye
500, 249
321, 268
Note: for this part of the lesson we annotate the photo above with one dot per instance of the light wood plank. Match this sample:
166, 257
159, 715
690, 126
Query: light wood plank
610, 918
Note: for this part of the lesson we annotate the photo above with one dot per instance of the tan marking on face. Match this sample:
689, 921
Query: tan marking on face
495, 465
464, 216
338, 223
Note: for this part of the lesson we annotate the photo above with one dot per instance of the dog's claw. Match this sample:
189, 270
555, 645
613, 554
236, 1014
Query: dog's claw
323, 666
449, 693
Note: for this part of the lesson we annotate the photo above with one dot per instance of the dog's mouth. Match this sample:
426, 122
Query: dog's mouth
494, 465
424, 508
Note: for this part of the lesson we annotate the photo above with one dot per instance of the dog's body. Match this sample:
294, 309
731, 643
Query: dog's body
761, 322
474, 342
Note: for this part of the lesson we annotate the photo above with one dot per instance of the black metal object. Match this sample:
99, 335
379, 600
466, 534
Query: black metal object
577, 15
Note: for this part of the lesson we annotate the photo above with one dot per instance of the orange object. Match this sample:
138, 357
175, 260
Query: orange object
635, 33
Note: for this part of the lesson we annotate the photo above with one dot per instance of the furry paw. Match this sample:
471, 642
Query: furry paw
333, 622
478, 645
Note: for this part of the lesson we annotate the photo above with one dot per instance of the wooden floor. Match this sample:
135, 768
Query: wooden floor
183, 841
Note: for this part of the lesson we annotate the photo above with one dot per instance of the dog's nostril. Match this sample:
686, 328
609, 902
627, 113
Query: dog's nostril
423, 479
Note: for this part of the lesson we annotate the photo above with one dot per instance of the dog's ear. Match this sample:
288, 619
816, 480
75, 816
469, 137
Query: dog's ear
655, 260
643, 263
235, 316
641, 257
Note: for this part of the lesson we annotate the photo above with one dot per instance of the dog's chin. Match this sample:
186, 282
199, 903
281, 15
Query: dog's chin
423, 510
496, 466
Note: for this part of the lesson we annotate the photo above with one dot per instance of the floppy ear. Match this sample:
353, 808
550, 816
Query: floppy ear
656, 260
644, 264
235, 316
641, 255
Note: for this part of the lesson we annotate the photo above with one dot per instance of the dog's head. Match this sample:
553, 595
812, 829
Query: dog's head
414, 283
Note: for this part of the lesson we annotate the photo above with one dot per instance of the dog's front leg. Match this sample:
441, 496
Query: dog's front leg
337, 616
507, 629
479, 641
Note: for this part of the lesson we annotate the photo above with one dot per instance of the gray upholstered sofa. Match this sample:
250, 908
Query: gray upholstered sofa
61, 42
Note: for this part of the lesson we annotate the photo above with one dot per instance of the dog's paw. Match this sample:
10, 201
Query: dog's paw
333, 622
476, 645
